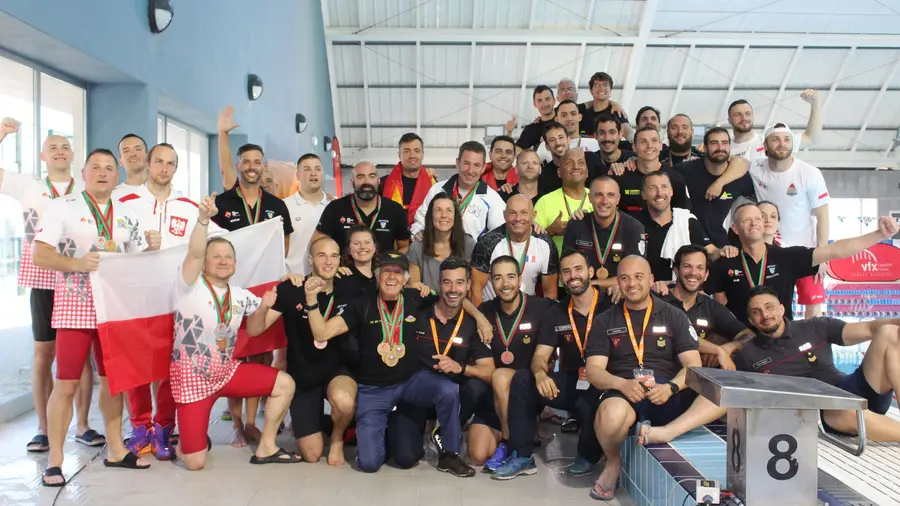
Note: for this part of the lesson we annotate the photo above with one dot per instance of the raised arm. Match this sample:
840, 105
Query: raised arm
226, 163
259, 321
887, 228
322, 330
8, 126
814, 124
196, 255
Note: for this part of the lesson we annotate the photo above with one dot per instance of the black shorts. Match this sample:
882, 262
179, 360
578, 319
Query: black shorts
657, 415
483, 411
308, 408
41, 313
857, 384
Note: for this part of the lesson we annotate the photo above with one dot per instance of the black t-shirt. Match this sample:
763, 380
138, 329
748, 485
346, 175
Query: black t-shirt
631, 182
656, 236
803, 350
355, 284
784, 266
712, 213
409, 187
627, 145
515, 191
533, 134
390, 223
362, 315
524, 339
624, 156
307, 363
232, 214
666, 156
629, 240
709, 317
556, 331
549, 180
588, 117
466, 344
668, 334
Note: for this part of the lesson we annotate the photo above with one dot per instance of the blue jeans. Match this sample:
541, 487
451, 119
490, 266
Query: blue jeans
383, 432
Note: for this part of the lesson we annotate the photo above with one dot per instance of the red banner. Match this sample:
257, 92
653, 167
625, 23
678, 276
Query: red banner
880, 263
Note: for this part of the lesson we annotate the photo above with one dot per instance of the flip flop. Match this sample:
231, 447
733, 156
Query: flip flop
38, 444
91, 438
276, 458
50, 472
639, 429
129, 461
607, 492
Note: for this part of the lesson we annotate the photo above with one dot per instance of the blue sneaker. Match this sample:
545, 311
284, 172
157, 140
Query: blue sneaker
515, 466
501, 454
581, 467
139, 443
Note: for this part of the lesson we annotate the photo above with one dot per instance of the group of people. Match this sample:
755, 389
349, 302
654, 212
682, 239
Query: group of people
583, 266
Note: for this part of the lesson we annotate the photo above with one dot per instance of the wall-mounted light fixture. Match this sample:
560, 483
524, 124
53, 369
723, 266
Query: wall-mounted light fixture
300, 123
254, 86
160, 13
327, 142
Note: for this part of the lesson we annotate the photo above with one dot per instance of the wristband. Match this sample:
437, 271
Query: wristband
675, 388
204, 224
312, 307
462, 370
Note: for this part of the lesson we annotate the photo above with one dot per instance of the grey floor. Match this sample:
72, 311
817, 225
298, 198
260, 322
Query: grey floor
230, 480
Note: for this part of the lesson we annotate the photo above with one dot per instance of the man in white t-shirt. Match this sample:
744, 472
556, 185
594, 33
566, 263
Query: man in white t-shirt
480, 206
568, 114
72, 231
133, 157
750, 145
305, 208
33, 196
798, 190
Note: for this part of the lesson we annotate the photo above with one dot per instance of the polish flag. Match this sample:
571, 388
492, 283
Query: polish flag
134, 297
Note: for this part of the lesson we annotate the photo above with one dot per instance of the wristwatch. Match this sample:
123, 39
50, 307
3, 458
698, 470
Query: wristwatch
675, 388
311, 308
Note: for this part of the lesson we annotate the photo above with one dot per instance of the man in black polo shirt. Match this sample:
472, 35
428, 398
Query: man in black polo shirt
647, 146
758, 263
566, 328
385, 218
544, 102
606, 236
609, 132
387, 372
516, 319
702, 173
638, 354
320, 369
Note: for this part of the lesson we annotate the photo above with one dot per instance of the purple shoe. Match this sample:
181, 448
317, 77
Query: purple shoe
159, 442
139, 443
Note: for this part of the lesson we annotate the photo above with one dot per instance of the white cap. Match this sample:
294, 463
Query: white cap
772, 129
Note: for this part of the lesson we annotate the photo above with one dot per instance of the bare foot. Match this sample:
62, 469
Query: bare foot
336, 453
240, 438
252, 433
652, 435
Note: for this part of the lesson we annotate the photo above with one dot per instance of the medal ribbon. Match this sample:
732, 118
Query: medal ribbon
638, 349
55, 194
328, 309
104, 221
437, 342
580, 204
602, 256
391, 322
524, 257
507, 336
223, 306
464, 203
252, 218
590, 321
762, 269
359, 215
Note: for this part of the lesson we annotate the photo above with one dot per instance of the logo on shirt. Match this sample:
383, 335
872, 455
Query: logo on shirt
177, 226
270, 214
525, 326
792, 190
588, 244
526, 339
822, 196
383, 223
661, 341
410, 319
735, 272
618, 330
693, 333
772, 269
346, 221
615, 341
764, 362
805, 347
726, 196
298, 218
562, 328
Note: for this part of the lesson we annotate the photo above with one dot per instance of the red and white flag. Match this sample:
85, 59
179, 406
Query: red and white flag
134, 297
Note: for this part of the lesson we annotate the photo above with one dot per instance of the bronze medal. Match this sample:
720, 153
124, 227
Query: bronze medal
320, 345
507, 357
602, 273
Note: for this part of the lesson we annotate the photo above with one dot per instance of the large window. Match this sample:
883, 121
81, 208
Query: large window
192, 147
43, 105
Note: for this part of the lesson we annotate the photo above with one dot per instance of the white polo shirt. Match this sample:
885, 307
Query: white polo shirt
174, 219
304, 217
797, 192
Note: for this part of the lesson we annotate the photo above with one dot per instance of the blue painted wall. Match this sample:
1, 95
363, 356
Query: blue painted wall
190, 71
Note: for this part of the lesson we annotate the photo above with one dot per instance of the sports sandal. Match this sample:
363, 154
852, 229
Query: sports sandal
279, 457
129, 461
91, 438
50, 472
39, 443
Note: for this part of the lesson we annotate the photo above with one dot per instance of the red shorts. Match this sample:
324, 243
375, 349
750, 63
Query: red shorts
249, 380
809, 292
72, 348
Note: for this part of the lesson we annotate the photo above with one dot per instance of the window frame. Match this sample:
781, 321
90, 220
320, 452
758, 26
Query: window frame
165, 121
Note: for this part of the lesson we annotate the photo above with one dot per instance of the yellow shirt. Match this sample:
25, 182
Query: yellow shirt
552, 204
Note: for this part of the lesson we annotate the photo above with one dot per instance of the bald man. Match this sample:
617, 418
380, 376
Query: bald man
536, 253
34, 195
554, 210
638, 353
385, 218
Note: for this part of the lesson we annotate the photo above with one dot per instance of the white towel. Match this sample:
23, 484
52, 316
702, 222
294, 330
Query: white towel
679, 233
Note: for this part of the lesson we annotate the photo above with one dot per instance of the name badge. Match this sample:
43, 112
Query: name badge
616, 246
525, 326
457, 340
805, 347
702, 322
658, 330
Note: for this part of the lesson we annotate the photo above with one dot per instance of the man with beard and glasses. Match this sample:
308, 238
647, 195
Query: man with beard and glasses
638, 354
536, 253
133, 158
480, 207
803, 349
387, 373
528, 168
566, 327
647, 144
750, 146
516, 318
680, 131
500, 172
703, 173
556, 209
544, 102
305, 207
758, 263
384, 217
34, 195
408, 182
568, 115
606, 235
647, 116
600, 86
721, 334
608, 134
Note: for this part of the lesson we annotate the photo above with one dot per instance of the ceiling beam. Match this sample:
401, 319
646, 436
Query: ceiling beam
734, 77
471, 92
365, 73
834, 85
636, 58
418, 88
589, 20
523, 93
673, 110
332, 78
874, 106
579, 65
776, 104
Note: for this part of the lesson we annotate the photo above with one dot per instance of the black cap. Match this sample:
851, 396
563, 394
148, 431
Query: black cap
393, 258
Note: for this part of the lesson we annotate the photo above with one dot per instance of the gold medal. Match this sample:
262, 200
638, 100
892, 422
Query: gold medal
390, 360
111, 246
384, 349
399, 351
